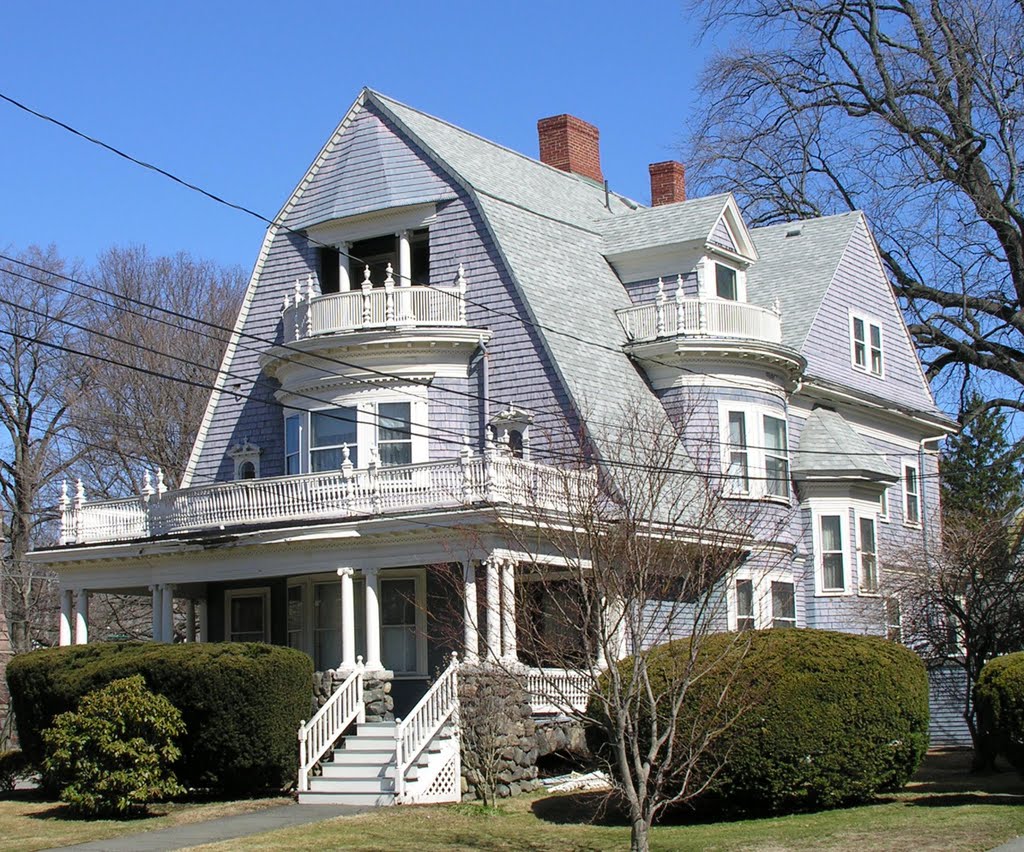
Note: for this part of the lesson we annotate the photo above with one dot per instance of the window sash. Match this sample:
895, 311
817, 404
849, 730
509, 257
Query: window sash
868, 555
783, 604
398, 627
876, 349
776, 457
860, 355
739, 457
291, 445
725, 283
744, 604
247, 617
394, 433
329, 430
912, 507
833, 562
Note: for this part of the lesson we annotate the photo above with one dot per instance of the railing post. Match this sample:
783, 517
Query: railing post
372, 481
659, 310
66, 520
79, 505
702, 316
680, 311
399, 761
346, 475
298, 309
361, 715
465, 458
303, 779
462, 295
310, 292
366, 287
389, 296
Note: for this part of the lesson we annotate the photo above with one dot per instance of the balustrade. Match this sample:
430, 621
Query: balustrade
348, 492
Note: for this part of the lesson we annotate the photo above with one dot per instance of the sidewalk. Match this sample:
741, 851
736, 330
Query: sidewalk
214, 830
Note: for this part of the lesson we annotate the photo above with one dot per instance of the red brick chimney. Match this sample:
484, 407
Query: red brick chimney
570, 144
668, 182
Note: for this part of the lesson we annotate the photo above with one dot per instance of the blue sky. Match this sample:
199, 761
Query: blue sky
239, 97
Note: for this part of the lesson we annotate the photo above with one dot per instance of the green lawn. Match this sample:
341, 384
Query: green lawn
27, 823
944, 809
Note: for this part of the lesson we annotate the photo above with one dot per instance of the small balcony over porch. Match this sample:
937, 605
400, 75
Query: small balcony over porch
374, 305
465, 480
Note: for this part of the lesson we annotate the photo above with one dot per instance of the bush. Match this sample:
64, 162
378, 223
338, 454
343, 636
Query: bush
241, 702
999, 699
112, 756
822, 718
12, 765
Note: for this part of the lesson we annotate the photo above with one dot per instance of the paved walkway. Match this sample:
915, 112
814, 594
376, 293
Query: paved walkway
1015, 845
214, 830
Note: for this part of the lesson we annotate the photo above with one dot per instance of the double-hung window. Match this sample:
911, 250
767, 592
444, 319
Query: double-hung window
867, 345
739, 453
744, 604
292, 459
783, 604
911, 495
776, 457
394, 433
867, 548
833, 554
330, 430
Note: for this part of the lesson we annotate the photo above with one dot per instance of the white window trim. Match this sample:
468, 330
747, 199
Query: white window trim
707, 280
251, 592
367, 423
817, 512
873, 517
912, 465
868, 321
757, 469
883, 505
762, 580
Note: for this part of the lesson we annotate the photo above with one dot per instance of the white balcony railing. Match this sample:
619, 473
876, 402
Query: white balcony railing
309, 314
493, 477
689, 317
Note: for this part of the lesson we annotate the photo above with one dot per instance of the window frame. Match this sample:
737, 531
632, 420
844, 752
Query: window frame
861, 518
843, 513
908, 465
883, 505
756, 450
869, 325
761, 580
262, 592
790, 622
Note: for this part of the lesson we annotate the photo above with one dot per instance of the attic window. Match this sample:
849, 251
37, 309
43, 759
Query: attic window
866, 342
725, 283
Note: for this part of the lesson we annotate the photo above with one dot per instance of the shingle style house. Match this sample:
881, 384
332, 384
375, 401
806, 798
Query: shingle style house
434, 317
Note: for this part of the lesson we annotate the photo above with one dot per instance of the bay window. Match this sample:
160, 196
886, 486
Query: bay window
761, 599
783, 604
776, 457
329, 431
394, 435
867, 548
292, 425
755, 452
739, 455
833, 555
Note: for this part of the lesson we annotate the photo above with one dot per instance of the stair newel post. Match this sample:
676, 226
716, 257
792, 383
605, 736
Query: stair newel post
361, 717
303, 779
399, 763
659, 310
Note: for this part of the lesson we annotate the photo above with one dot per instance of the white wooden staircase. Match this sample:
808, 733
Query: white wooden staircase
383, 763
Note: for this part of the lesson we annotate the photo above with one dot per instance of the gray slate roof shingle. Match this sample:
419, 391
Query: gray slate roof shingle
830, 447
669, 224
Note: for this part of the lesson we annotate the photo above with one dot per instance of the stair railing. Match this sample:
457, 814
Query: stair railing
317, 735
425, 720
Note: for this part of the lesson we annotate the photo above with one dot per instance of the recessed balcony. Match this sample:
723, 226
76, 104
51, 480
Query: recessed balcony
491, 478
309, 314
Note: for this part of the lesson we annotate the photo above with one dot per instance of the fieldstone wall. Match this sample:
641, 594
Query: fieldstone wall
499, 752
561, 735
380, 706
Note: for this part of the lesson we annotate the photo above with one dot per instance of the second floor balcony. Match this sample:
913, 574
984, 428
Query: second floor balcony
385, 304
681, 316
492, 478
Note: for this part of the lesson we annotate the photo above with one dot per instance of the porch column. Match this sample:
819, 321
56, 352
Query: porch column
65, 617
190, 620
156, 591
348, 620
470, 613
204, 634
167, 614
344, 284
493, 607
373, 662
509, 651
404, 260
81, 617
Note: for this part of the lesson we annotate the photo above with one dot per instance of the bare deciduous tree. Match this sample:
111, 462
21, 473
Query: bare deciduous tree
640, 558
910, 111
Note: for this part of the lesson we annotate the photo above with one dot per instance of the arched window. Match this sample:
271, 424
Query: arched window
515, 443
247, 470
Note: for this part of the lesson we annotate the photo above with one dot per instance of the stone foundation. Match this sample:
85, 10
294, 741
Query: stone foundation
499, 752
380, 707
561, 735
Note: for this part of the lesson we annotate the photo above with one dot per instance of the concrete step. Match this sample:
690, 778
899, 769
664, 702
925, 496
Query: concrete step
362, 800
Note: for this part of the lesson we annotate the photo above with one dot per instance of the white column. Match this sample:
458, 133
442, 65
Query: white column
81, 617
617, 628
344, 282
509, 650
404, 260
203, 624
190, 620
493, 607
157, 591
65, 617
470, 613
373, 661
348, 620
167, 614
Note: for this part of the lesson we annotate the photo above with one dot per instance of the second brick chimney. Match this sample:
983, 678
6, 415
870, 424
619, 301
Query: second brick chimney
668, 183
570, 144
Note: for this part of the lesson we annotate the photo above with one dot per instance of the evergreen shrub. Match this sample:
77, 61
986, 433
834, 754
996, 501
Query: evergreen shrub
821, 718
999, 699
112, 757
241, 702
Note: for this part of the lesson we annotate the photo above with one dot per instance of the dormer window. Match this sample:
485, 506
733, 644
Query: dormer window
246, 457
725, 283
511, 430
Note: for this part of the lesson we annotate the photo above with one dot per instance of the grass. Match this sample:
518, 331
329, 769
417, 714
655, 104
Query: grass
28, 822
943, 808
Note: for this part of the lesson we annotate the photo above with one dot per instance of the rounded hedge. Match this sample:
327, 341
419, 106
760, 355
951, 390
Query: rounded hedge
821, 718
999, 700
241, 702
